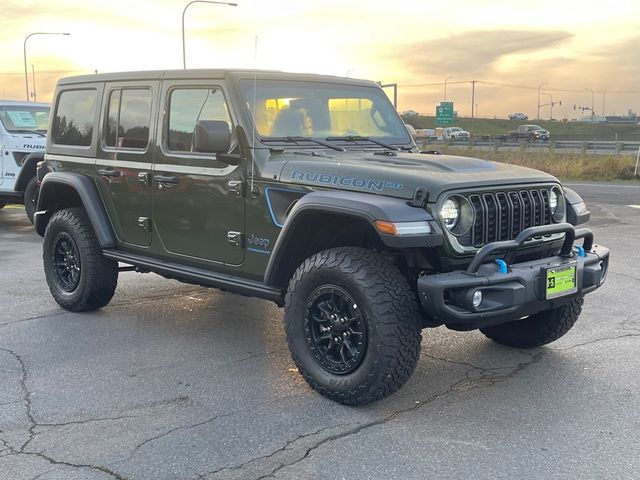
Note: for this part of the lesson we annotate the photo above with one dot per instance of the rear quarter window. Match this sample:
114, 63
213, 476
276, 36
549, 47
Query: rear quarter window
73, 122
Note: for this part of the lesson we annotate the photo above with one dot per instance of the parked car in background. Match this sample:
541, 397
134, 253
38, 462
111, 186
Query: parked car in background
23, 131
411, 130
518, 116
529, 132
455, 133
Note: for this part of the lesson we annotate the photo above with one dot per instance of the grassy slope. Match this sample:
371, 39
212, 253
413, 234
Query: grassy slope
566, 166
559, 130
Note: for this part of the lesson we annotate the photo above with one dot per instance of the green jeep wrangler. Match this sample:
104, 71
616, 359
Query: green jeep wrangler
308, 191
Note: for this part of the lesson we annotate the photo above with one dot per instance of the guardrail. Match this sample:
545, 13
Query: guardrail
594, 146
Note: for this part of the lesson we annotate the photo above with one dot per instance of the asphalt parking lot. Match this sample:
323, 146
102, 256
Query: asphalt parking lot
172, 381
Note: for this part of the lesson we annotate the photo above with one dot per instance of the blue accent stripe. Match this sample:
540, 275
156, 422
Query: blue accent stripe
257, 250
273, 215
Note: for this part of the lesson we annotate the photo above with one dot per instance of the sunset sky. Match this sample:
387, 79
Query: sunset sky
510, 47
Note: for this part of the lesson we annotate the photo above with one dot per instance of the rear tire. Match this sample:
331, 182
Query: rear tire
353, 325
31, 198
539, 329
79, 277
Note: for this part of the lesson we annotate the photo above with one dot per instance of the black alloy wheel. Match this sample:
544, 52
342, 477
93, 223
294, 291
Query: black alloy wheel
335, 331
66, 262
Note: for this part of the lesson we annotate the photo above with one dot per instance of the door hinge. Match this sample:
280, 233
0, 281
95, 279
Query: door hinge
143, 177
145, 222
235, 186
235, 238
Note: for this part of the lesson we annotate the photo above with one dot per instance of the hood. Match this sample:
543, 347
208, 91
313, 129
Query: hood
24, 142
399, 175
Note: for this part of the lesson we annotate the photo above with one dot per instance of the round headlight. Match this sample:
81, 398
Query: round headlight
450, 212
553, 200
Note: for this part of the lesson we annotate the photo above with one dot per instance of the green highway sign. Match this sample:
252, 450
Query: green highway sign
444, 114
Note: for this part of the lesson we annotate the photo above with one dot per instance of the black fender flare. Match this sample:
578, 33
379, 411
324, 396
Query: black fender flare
28, 170
577, 212
362, 206
88, 193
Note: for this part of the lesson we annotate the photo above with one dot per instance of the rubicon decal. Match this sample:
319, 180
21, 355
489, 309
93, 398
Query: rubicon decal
345, 181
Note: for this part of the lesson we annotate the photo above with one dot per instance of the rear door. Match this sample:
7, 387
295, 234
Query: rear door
198, 203
124, 160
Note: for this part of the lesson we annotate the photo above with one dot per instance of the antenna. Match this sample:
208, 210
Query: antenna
255, 129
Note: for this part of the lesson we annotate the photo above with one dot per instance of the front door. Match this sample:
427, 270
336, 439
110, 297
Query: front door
123, 167
197, 202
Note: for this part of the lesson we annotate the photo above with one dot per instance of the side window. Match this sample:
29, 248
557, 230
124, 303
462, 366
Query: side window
128, 118
187, 107
75, 113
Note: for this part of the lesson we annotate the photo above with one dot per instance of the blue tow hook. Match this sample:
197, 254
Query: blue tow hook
580, 251
502, 265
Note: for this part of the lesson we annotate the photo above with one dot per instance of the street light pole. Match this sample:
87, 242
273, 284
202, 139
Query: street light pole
551, 104
591, 90
445, 86
540, 88
24, 52
184, 55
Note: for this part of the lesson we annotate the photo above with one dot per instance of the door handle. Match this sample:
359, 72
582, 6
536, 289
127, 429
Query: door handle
109, 172
166, 180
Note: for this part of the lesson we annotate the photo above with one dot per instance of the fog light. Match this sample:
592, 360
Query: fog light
477, 298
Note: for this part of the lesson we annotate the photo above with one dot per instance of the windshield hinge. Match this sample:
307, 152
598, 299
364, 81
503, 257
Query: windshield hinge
420, 197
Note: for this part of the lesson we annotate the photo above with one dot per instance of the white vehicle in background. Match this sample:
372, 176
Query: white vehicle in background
23, 135
455, 133
518, 116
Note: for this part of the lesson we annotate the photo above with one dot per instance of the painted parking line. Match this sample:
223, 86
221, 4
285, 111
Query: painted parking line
634, 206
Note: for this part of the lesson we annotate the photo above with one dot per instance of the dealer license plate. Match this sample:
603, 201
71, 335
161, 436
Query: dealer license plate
561, 281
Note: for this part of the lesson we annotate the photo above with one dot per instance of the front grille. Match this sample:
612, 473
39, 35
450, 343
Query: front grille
502, 215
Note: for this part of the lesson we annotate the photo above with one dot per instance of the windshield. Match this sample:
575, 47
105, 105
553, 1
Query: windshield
322, 110
24, 118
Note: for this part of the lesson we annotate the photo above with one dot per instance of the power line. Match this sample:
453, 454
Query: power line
522, 87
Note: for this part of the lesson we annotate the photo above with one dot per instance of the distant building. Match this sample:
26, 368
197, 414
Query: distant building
630, 117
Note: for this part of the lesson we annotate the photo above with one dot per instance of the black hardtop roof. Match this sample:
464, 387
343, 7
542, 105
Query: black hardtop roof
196, 74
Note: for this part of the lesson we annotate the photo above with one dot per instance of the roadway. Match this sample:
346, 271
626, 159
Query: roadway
172, 381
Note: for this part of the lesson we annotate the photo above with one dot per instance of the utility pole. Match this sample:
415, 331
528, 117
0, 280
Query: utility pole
540, 88
473, 97
591, 90
604, 102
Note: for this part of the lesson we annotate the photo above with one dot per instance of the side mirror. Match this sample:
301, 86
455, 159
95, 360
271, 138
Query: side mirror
212, 136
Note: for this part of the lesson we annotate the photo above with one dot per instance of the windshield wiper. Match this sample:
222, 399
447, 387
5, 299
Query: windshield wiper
35, 132
359, 138
296, 139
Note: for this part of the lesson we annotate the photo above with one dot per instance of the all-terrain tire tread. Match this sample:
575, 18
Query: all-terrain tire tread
539, 329
99, 275
395, 311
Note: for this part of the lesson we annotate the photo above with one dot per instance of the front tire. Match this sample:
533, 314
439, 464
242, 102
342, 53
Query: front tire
539, 329
352, 325
31, 192
79, 277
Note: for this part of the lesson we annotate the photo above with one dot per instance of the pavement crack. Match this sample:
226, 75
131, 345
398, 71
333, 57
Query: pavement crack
83, 422
37, 317
286, 446
26, 396
33, 424
463, 384
631, 277
173, 430
598, 340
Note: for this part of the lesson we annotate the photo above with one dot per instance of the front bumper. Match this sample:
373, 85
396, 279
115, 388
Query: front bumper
516, 293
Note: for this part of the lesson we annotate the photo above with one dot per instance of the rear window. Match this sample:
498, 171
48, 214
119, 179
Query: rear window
128, 119
75, 114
